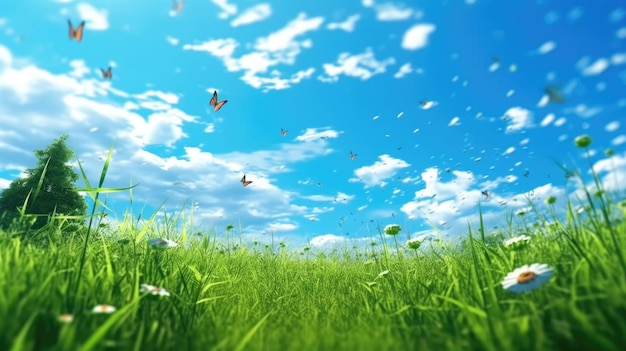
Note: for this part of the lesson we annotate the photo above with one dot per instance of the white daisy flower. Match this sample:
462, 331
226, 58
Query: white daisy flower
66, 318
154, 290
104, 309
517, 240
162, 243
527, 278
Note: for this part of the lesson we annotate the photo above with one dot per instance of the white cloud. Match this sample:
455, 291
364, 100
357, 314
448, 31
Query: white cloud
392, 12
518, 118
618, 140
161, 128
559, 122
546, 47
348, 25
95, 19
284, 39
612, 126
618, 58
364, 66
549, 118
95, 114
80, 69
597, 67
451, 203
227, 8
617, 14
221, 48
509, 150
256, 13
210, 128
326, 239
385, 168
584, 111
612, 171
621, 33
416, 37
281, 227
389, 11
280, 47
172, 40
454, 121
403, 70
315, 134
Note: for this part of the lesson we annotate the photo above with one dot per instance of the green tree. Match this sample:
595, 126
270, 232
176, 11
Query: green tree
55, 192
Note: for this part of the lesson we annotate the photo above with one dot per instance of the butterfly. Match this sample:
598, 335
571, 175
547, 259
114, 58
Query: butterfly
283, 132
245, 182
352, 156
554, 95
107, 74
487, 193
217, 105
78, 32
177, 6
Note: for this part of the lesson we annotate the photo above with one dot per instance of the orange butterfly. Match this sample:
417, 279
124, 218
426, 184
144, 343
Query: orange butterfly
107, 74
78, 32
217, 105
177, 6
352, 156
245, 182
283, 132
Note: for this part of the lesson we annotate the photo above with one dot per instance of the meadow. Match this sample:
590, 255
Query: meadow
68, 289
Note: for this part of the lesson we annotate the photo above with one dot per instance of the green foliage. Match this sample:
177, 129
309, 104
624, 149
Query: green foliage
47, 189
232, 297
224, 296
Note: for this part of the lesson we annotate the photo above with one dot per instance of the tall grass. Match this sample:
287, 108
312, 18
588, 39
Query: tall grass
228, 296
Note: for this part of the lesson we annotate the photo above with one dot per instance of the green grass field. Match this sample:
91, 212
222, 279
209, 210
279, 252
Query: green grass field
222, 296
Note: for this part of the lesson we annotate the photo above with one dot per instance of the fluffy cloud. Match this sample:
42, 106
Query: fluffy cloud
253, 14
385, 168
347, 25
364, 66
95, 115
227, 8
389, 11
517, 118
278, 48
95, 19
417, 36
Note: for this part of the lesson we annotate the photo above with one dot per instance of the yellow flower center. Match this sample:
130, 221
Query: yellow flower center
526, 277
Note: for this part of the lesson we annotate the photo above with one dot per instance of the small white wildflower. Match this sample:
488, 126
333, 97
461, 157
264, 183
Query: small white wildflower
162, 243
66, 318
104, 309
154, 290
516, 241
527, 278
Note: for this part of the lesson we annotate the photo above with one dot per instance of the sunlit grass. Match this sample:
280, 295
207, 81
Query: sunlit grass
144, 285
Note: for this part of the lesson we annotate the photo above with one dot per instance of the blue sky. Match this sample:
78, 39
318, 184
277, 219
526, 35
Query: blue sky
439, 100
